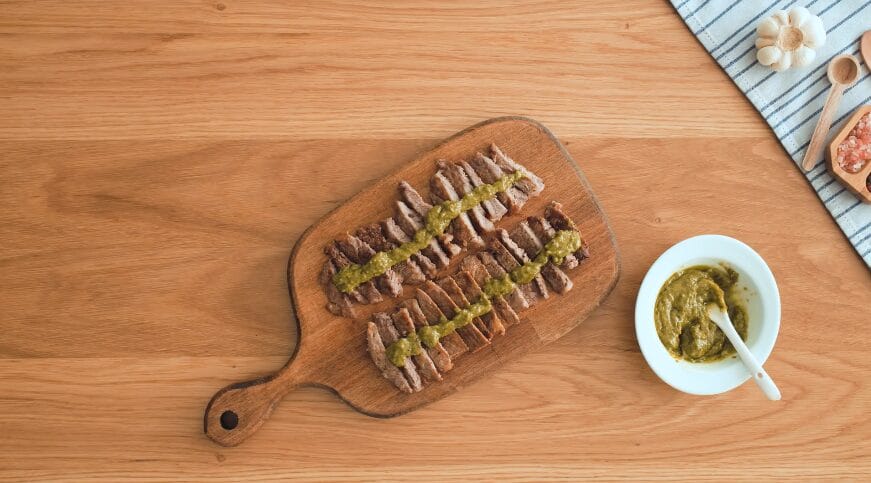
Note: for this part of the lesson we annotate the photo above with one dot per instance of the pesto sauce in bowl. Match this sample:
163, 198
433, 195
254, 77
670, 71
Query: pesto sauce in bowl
681, 318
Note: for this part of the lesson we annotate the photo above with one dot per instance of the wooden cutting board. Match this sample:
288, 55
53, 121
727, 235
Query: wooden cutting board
332, 350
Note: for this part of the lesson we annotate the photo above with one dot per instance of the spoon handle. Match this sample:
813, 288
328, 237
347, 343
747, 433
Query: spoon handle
812, 155
760, 377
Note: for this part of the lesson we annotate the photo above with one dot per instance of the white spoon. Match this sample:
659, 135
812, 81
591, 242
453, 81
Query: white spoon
763, 380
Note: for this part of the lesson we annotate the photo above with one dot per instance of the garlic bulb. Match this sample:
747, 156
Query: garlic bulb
788, 39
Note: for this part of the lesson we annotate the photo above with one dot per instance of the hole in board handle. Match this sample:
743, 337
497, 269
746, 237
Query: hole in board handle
229, 420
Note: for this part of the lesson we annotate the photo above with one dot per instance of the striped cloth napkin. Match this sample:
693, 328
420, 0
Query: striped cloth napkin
791, 101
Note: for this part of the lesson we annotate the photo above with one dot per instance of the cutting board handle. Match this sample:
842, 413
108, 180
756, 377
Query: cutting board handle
238, 410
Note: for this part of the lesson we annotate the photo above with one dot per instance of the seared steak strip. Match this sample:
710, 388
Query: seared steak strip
449, 309
531, 244
494, 208
529, 184
337, 302
408, 270
389, 335
516, 299
394, 234
410, 222
463, 186
521, 257
341, 261
438, 354
473, 266
453, 342
545, 233
441, 190
492, 325
473, 332
508, 262
554, 214
489, 171
416, 202
359, 252
404, 325
378, 351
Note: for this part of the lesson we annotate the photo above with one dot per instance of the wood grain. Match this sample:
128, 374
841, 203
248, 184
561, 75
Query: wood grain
155, 173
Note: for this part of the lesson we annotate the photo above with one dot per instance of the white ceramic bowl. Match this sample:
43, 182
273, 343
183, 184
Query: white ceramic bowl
758, 288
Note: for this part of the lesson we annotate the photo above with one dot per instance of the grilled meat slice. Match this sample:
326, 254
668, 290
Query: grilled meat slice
360, 252
513, 198
408, 270
461, 227
517, 298
557, 219
507, 261
529, 184
425, 366
379, 355
389, 335
438, 354
532, 245
341, 261
337, 302
474, 267
492, 324
453, 343
521, 257
463, 186
410, 222
420, 207
545, 233
395, 235
471, 333
494, 208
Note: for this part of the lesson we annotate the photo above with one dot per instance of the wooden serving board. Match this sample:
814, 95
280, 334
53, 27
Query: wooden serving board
332, 350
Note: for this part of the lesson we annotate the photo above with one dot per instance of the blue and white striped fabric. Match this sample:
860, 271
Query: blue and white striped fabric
791, 101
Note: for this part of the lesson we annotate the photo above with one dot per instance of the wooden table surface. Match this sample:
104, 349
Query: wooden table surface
159, 159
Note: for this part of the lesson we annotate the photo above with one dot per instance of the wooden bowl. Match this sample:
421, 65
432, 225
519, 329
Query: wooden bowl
855, 182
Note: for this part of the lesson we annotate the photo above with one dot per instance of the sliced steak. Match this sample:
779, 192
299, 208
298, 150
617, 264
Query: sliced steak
513, 198
379, 355
516, 299
554, 214
408, 270
438, 354
530, 184
461, 227
507, 261
463, 186
420, 207
387, 283
425, 366
530, 243
494, 208
521, 256
471, 333
545, 233
337, 302
394, 234
473, 266
368, 289
341, 261
492, 324
410, 222
453, 343
389, 335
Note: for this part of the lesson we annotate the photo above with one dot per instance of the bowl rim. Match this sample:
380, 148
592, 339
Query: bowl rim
696, 378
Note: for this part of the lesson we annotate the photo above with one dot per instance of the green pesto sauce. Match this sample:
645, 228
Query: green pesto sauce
438, 218
681, 315
562, 244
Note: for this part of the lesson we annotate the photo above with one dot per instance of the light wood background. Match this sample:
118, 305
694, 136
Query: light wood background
159, 159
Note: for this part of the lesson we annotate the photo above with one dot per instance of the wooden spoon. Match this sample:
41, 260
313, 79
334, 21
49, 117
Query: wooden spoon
866, 48
763, 380
843, 72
